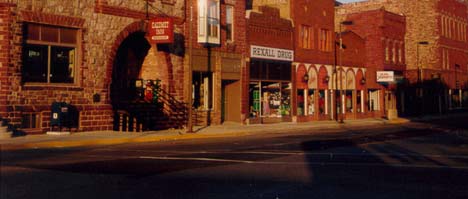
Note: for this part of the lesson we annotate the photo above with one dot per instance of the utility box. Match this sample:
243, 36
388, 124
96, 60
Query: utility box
63, 114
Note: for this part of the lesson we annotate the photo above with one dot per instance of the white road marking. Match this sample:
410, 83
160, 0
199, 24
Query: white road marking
301, 153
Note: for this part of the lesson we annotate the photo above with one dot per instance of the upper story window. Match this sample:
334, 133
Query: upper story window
306, 37
453, 28
229, 23
49, 54
208, 22
325, 40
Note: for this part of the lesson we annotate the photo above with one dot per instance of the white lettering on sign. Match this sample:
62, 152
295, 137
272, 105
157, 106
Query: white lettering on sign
271, 53
385, 76
160, 24
55, 116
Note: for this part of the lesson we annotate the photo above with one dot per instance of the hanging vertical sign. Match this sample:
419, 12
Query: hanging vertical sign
161, 30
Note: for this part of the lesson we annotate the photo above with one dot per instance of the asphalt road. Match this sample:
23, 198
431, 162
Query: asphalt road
430, 161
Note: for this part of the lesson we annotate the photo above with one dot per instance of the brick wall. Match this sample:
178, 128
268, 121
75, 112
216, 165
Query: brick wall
318, 14
423, 24
265, 27
235, 49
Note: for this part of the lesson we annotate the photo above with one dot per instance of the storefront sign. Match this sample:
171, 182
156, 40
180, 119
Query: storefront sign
271, 53
161, 30
385, 76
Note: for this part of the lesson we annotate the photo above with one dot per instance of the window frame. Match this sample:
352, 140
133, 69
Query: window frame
232, 26
306, 35
59, 43
205, 34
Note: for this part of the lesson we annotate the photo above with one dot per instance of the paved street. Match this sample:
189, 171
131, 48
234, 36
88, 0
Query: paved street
412, 160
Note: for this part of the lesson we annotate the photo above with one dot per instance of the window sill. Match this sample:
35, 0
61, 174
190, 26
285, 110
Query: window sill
58, 86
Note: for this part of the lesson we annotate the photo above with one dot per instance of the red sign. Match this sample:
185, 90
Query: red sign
161, 30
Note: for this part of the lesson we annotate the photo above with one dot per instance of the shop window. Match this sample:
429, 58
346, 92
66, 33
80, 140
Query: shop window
208, 22
270, 99
321, 102
349, 101
29, 120
310, 102
373, 101
285, 107
455, 97
229, 23
202, 90
300, 102
49, 54
264, 70
254, 99
359, 99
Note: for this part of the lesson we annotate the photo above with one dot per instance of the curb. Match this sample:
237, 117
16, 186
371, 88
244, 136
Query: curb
159, 138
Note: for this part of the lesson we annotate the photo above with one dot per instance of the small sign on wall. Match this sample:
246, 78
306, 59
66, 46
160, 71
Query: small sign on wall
161, 30
385, 76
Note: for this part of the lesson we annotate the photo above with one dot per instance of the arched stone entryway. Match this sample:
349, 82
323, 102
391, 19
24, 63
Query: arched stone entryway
135, 64
127, 66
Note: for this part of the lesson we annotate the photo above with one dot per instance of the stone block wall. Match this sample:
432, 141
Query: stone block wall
102, 26
5, 23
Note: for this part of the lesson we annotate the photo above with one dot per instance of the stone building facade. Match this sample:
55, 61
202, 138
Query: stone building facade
85, 41
435, 46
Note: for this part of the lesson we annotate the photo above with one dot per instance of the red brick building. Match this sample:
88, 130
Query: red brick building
435, 49
217, 59
384, 34
266, 95
319, 60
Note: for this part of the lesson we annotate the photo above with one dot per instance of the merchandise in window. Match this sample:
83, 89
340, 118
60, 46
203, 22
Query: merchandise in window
49, 54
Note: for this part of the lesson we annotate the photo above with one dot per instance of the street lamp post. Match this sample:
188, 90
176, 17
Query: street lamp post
419, 69
339, 90
457, 84
189, 97
417, 59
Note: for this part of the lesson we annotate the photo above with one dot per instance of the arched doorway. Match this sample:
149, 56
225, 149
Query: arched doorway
126, 68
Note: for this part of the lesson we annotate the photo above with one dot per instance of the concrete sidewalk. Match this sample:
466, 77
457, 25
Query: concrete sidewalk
92, 138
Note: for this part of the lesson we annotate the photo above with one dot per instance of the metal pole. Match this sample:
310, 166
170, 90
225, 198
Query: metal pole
341, 83
189, 97
336, 86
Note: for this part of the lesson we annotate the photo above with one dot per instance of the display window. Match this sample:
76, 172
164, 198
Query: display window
349, 101
270, 99
359, 99
202, 84
455, 97
373, 101
321, 102
310, 102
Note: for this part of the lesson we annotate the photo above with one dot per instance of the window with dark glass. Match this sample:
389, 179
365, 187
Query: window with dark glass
49, 54
229, 23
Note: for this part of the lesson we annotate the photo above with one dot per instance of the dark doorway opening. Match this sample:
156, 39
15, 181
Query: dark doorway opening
126, 68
